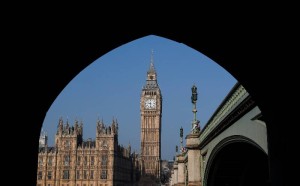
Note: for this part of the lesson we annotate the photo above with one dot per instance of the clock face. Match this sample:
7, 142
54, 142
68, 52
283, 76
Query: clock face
150, 103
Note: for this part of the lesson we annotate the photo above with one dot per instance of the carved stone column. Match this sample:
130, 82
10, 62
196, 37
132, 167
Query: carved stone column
194, 164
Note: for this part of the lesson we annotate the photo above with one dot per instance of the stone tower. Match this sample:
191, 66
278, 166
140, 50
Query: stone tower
67, 139
151, 110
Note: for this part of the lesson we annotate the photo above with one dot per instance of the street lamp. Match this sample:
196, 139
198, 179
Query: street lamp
181, 135
195, 123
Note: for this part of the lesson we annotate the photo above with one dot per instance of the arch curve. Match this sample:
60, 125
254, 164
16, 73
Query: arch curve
237, 160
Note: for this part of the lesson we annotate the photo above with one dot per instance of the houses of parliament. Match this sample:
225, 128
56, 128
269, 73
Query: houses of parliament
73, 161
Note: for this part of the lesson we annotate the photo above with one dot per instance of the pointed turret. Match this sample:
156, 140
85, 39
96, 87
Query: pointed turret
80, 129
113, 127
76, 126
129, 148
60, 126
43, 139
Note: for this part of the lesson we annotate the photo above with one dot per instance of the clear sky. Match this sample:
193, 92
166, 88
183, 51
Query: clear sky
111, 87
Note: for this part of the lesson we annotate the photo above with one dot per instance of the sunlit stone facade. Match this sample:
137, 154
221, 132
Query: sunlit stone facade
77, 162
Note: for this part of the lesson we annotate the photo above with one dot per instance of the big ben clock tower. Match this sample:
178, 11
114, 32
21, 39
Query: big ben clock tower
151, 109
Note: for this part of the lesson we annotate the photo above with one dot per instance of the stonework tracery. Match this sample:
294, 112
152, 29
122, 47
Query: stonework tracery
77, 162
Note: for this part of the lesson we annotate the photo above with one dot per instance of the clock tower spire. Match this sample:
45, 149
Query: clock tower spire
151, 74
151, 112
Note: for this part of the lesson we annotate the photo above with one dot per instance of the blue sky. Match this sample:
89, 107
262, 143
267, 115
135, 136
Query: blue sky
111, 87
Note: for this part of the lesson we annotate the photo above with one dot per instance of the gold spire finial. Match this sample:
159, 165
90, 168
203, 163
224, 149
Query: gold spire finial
151, 63
152, 55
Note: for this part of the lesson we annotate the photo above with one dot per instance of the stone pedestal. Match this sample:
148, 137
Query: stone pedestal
172, 177
194, 164
175, 178
181, 175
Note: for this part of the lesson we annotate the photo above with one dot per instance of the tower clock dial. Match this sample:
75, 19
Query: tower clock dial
150, 103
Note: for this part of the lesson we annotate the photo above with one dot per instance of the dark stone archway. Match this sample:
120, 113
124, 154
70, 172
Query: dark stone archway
239, 164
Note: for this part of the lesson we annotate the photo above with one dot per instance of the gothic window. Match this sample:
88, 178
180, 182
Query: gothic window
85, 160
40, 175
65, 174
85, 174
104, 144
92, 160
78, 160
50, 161
68, 144
77, 174
49, 175
41, 161
67, 160
103, 174
92, 174
104, 159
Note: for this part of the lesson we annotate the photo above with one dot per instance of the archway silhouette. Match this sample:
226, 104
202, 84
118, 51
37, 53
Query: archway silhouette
239, 163
45, 80
125, 43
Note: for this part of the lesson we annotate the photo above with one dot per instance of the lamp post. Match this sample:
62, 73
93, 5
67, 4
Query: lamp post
193, 174
194, 100
195, 122
181, 135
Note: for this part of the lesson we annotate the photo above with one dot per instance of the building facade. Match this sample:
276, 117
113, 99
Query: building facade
151, 113
77, 162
